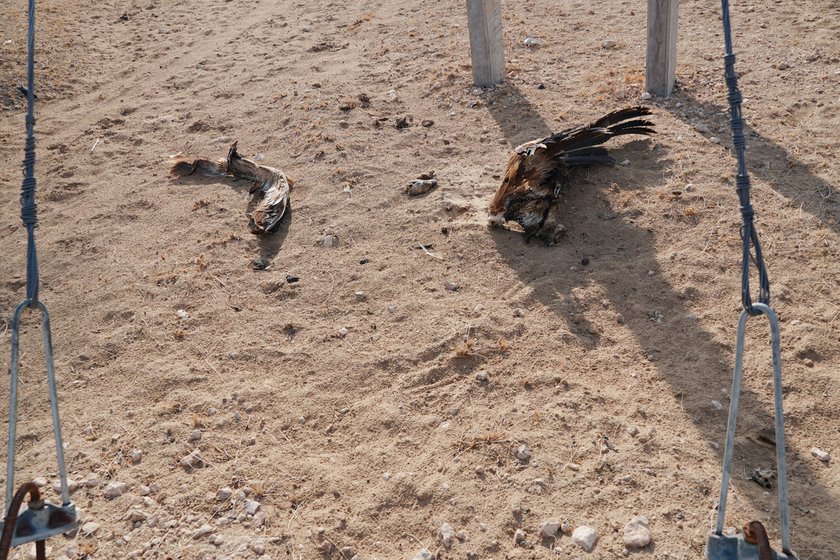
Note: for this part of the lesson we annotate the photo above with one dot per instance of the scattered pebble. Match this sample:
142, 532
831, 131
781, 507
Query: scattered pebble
195, 435
446, 534
609, 44
420, 186
714, 140
451, 286
361, 296
531, 42
549, 529
136, 456
224, 494
90, 528
193, 460
72, 486
423, 555
808, 362
259, 264
137, 515
625, 162
144, 490
820, 454
115, 489
402, 122
523, 453
203, 531
182, 314
482, 376
518, 312
585, 537
717, 405
330, 241
636, 533
519, 536
426, 123
783, 66
540, 85
292, 279
646, 95
252, 507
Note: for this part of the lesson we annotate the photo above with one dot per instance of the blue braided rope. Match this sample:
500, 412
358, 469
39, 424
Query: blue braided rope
28, 207
749, 235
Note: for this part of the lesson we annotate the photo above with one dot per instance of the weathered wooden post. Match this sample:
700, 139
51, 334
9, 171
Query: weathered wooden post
487, 47
660, 71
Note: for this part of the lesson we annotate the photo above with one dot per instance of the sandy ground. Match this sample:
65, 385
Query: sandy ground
357, 421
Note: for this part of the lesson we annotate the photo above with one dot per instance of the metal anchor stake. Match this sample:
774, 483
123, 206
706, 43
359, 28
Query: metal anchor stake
718, 545
41, 520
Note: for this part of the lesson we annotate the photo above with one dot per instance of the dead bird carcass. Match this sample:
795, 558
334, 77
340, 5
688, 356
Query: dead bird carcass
270, 191
538, 170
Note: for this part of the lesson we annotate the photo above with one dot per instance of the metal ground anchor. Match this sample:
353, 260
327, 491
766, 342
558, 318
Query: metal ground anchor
40, 520
724, 547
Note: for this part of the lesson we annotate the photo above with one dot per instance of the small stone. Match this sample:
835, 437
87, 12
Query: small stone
820, 454
115, 490
702, 128
518, 312
585, 537
154, 487
330, 241
482, 376
636, 533
717, 405
203, 531
619, 318
193, 460
808, 362
216, 540
625, 162
426, 123
633, 431
72, 486
423, 555
519, 536
136, 456
523, 453
783, 66
531, 42
549, 529
609, 44
446, 534
479, 470
224, 494
646, 95
136, 515
259, 264
451, 286
144, 490
292, 279
195, 435
182, 314
252, 507
342, 332
584, 261
540, 85
259, 548
565, 527
714, 140
90, 528
361, 296
392, 308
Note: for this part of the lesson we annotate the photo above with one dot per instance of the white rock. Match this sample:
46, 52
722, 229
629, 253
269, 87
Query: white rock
482, 376
202, 531
820, 454
549, 529
609, 44
624, 162
717, 405
585, 537
182, 314
519, 536
451, 286
361, 296
646, 95
136, 456
252, 507
90, 528
330, 241
342, 332
523, 453
258, 547
115, 489
531, 42
714, 140
636, 533
446, 534
224, 494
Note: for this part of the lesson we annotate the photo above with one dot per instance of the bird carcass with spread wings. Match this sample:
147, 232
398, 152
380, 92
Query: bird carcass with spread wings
269, 192
538, 170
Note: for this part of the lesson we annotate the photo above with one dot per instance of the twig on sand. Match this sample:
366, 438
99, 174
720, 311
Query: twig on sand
433, 255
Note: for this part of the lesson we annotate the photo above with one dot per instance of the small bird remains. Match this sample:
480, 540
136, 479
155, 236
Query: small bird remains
538, 170
270, 191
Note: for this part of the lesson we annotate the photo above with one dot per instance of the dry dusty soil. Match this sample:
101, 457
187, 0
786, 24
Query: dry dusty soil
355, 411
